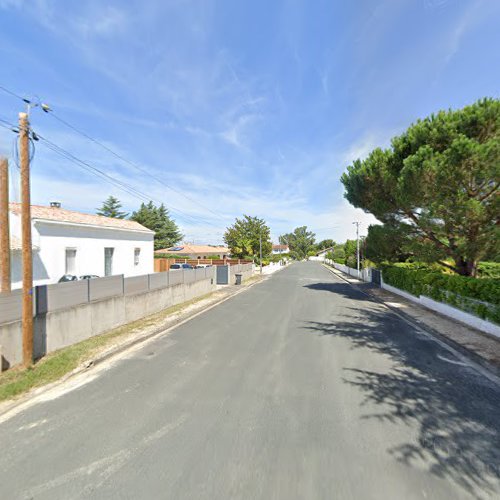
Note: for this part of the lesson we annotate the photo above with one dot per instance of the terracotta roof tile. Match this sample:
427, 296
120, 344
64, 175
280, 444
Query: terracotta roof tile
62, 215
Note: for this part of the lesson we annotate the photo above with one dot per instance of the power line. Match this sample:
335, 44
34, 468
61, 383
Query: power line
108, 178
48, 110
7, 91
116, 182
131, 163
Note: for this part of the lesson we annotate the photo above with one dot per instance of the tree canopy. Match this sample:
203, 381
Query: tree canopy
324, 244
387, 243
111, 208
438, 182
243, 237
300, 242
158, 220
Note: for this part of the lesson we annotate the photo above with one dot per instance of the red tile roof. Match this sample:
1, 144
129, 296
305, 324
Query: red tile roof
62, 215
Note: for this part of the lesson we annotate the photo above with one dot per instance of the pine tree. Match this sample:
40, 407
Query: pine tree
111, 208
158, 220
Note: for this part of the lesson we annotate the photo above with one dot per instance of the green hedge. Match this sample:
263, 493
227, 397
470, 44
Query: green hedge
489, 270
462, 292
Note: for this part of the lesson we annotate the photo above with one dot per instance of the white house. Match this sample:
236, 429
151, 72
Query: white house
280, 249
68, 242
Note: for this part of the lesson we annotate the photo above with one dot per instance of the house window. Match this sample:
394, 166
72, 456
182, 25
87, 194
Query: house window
70, 261
137, 254
108, 261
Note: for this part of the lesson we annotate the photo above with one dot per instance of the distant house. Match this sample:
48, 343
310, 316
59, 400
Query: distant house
69, 242
187, 251
280, 249
322, 253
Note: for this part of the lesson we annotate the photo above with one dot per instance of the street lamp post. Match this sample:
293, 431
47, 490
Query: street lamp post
357, 244
260, 251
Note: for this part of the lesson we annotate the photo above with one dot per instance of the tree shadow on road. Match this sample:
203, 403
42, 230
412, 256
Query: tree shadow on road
456, 412
343, 289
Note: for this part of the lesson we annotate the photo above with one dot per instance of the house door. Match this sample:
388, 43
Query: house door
70, 261
108, 261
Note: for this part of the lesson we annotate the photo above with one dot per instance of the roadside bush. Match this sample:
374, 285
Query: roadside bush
477, 296
489, 270
165, 256
350, 261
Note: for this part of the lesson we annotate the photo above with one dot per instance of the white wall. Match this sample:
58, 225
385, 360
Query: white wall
52, 240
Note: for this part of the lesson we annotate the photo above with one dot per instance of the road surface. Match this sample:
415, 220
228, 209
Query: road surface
299, 388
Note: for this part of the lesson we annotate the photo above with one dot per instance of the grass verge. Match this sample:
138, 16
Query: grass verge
55, 365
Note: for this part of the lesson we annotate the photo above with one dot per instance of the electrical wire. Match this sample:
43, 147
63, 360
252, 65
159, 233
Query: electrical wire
103, 175
131, 163
7, 91
15, 154
116, 182
47, 110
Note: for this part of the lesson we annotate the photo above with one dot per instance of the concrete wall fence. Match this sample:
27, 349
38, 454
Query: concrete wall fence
67, 313
363, 274
226, 275
444, 309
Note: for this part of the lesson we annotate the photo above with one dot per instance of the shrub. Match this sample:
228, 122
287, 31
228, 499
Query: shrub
489, 270
477, 296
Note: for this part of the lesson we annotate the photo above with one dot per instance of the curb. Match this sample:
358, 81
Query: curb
471, 355
10, 405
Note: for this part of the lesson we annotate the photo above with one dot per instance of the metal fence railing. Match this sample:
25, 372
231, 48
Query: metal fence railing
48, 298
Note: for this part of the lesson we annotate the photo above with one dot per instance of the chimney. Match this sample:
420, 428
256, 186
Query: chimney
55, 204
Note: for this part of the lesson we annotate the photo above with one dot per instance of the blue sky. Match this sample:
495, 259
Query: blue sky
252, 107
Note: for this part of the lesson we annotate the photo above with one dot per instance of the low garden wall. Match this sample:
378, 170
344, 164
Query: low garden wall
67, 313
362, 274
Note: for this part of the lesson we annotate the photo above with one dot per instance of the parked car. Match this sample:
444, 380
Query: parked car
88, 276
68, 277
202, 266
181, 266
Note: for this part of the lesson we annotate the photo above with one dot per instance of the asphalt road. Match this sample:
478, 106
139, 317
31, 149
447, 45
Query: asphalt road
299, 388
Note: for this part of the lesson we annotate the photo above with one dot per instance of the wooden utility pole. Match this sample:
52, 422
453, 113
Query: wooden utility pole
4, 227
27, 315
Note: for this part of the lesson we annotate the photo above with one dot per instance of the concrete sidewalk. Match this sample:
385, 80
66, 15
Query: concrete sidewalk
481, 347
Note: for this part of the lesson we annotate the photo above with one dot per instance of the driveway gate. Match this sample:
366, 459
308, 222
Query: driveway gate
222, 275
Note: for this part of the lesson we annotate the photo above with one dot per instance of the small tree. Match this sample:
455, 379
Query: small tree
350, 250
158, 220
111, 208
440, 181
338, 254
243, 237
300, 242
